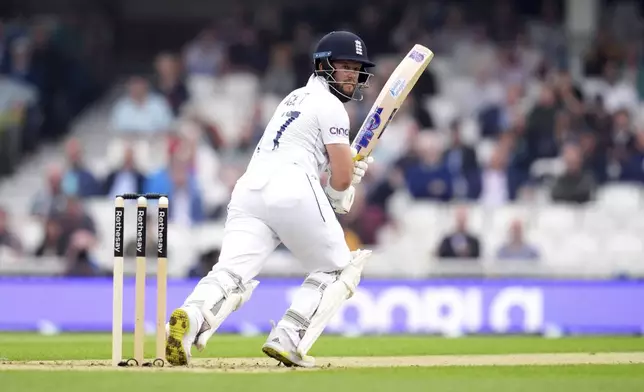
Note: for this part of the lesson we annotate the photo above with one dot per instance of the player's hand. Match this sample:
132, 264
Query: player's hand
359, 167
341, 202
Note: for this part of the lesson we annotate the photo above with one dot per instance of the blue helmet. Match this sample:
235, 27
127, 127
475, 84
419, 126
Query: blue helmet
342, 45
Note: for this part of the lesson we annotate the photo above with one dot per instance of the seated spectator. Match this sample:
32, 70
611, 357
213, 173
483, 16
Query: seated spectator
169, 81
634, 168
79, 259
72, 220
205, 55
540, 126
620, 147
179, 183
7, 238
51, 200
126, 179
575, 185
51, 245
495, 182
428, 178
460, 244
141, 111
516, 248
462, 163
617, 92
78, 180
514, 107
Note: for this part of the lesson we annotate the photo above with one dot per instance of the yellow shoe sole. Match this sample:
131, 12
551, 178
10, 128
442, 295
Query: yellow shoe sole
179, 325
278, 355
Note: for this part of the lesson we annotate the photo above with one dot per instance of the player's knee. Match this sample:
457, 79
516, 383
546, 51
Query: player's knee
227, 280
320, 280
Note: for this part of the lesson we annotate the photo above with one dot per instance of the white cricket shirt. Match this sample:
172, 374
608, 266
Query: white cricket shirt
304, 122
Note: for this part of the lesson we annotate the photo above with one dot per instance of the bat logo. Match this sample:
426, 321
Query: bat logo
416, 56
374, 120
372, 123
397, 88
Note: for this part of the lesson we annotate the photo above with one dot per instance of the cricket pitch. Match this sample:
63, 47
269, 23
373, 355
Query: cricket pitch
267, 365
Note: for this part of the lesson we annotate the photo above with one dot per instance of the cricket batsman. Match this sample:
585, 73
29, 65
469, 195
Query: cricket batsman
280, 199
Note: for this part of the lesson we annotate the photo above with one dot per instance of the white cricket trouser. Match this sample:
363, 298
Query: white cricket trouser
290, 206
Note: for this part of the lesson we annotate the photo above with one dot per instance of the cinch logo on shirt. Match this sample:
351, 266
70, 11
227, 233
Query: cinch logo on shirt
339, 131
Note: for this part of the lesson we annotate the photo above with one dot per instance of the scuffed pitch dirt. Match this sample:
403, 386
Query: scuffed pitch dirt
255, 365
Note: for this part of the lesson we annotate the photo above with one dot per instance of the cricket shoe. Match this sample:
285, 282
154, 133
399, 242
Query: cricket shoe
281, 346
181, 332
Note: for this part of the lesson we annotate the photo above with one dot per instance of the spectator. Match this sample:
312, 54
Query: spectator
79, 261
575, 185
428, 178
460, 244
141, 111
78, 180
51, 200
634, 169
179, 183
169, 82
462, 163
51, 244
617, 92
516, 248
495, 184
514, 107
206, 55
126, 179
540, 126
72, 221
621, 145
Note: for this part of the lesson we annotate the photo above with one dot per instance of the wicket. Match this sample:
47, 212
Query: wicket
140, 278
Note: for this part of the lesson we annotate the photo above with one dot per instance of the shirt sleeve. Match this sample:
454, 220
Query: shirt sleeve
334, 124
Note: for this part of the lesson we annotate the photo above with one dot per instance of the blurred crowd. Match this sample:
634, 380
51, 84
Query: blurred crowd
522, 121
45, 81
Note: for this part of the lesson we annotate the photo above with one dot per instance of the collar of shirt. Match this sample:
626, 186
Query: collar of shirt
317, 82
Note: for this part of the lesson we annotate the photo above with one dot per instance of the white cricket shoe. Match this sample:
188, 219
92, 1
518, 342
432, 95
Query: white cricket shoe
281, 345
181, 332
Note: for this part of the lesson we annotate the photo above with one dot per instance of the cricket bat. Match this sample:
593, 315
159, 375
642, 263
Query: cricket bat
392, 96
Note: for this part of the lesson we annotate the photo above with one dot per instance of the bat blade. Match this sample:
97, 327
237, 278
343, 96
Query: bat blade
391, 97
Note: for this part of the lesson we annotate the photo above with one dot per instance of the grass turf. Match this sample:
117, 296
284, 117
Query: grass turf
589, 378
98, 346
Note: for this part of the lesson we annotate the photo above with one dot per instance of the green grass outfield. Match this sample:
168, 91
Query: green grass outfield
16, 375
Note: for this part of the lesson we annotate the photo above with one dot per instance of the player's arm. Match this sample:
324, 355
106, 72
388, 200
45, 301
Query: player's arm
334, 127
341, 165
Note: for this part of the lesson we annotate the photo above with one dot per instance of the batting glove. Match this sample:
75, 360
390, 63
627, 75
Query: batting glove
359, 167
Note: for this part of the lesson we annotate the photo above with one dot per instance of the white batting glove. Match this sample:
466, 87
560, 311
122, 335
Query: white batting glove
341, 202
359, 167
